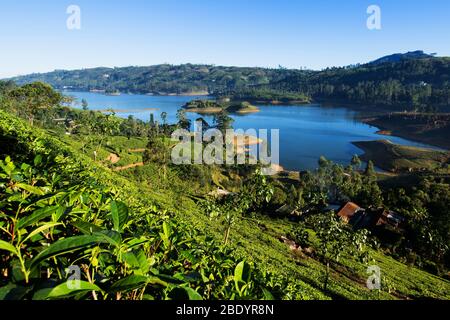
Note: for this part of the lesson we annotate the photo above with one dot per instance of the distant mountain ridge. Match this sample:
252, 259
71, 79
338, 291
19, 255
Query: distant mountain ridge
396, 57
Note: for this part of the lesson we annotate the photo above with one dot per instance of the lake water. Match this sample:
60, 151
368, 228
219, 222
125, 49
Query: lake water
306, 132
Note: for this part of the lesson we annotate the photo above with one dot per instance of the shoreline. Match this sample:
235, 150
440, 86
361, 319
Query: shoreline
160, 94
204, 110
248, 111
275, 102
368, 116
395, 158
385, 130
127, 110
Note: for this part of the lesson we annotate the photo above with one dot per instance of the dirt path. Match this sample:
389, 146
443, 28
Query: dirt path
133, 165
113, 158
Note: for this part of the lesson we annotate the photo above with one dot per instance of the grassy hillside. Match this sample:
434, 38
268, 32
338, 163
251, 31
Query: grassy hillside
256, 238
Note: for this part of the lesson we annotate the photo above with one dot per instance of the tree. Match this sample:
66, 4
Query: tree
157, 152
129, 127
35, 98
370, 170
183, 121
356, 161
335, 239
152, 119
370, 195
164, 120
104, 126
6, 86
84, 104
323, 162
256, 193
223, 122
203, 123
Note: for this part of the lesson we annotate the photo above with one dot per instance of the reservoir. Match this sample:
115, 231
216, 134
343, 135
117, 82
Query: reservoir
306, 131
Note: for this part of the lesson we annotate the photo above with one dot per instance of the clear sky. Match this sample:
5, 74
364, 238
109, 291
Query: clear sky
267, 33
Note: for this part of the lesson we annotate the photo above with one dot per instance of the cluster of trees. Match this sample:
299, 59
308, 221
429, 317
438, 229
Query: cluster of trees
158, 147
427, 208
202, 104
39, 102
44, 107
333, 183
31, 100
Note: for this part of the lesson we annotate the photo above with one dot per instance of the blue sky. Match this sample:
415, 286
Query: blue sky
267, 33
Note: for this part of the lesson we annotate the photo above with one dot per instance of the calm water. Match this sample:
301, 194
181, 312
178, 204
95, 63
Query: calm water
306, 132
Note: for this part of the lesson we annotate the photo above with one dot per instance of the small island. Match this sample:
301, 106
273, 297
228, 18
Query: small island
242, 108
203, 107
112, 92
212, 107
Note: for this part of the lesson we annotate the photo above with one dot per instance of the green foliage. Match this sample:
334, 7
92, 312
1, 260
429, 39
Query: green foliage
335, 239
183, 121
256, 193
33, 99
84, 104
356, 161
426, 206
202, 104
223, 122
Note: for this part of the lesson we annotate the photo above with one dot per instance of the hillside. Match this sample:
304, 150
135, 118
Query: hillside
409, 84
257, 238
154, 232
396, 57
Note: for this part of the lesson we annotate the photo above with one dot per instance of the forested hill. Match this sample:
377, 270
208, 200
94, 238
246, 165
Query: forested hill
419, 83
396, 57
412, 84
161, 79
